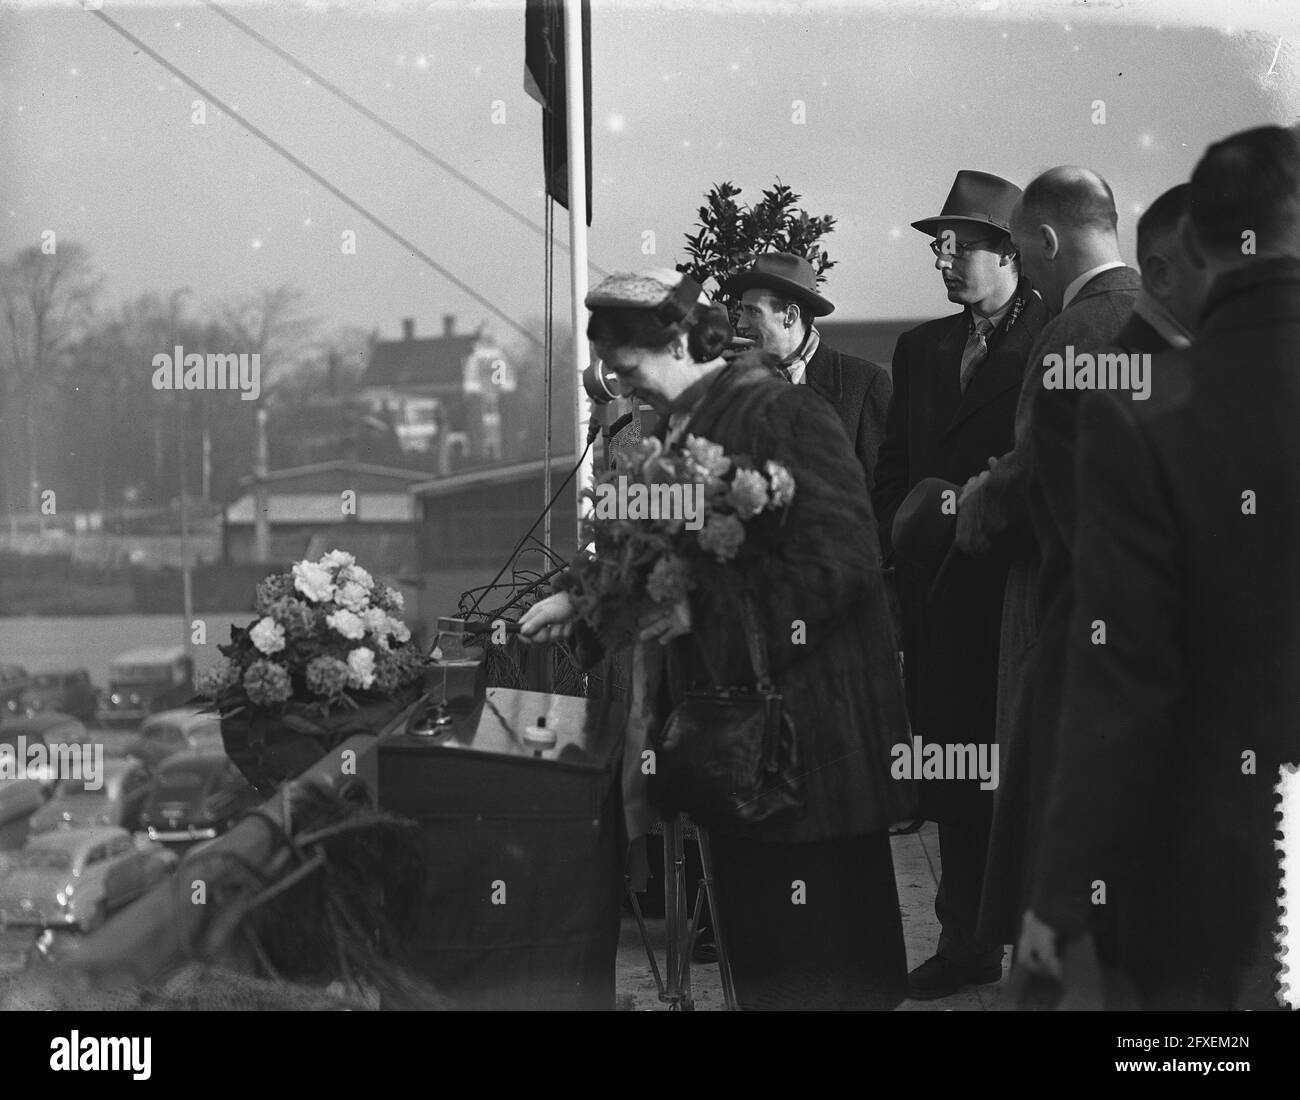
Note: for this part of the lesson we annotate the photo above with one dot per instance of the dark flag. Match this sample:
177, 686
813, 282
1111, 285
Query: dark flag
544, 81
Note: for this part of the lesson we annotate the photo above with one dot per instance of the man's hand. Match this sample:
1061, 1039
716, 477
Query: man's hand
1037, 951
548, 620
668, 624
975, 482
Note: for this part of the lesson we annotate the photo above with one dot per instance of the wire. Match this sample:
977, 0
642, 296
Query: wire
387, 127
306, 168
549, 505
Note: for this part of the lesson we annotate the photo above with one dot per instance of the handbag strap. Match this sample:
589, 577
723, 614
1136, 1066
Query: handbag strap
755, 642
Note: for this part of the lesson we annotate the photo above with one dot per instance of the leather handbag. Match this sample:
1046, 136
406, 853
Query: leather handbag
735, 759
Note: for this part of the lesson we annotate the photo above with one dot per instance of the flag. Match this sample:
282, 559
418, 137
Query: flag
544, 81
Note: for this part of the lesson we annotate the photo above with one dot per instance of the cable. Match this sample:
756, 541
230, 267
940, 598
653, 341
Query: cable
386, 126
550, 504
306, 168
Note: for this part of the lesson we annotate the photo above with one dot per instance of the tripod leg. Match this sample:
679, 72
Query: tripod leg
724, 960
645, 936
678, 962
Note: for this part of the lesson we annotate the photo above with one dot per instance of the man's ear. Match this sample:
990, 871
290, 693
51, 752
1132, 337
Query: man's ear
1051, 244
1155, 275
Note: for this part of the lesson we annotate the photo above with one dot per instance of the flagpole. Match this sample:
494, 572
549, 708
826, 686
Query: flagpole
576, 129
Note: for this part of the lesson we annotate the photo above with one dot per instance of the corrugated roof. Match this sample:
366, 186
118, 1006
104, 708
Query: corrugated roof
324, 508
495, 475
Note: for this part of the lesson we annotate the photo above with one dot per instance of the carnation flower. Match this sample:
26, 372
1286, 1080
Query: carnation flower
313, 581
782, 484
399, 630
708, 456
722, 536
215, 681
267, 635
361, 667
350, 625
394, 598
327, 675
668, 581
337, 559
295, 616
273, 588
266, 683
353, 596
748, 494
359, 576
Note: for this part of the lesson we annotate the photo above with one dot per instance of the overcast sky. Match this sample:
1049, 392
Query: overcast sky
98, 142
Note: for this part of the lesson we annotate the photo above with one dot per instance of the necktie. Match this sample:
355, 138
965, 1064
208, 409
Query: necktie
976, 350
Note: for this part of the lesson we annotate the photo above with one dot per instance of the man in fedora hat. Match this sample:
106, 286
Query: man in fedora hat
956, 382
779, 303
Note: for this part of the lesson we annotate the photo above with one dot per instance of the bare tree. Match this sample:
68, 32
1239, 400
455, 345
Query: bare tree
271, 323
46, 301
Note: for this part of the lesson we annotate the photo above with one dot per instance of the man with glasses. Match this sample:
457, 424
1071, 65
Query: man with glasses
956, 384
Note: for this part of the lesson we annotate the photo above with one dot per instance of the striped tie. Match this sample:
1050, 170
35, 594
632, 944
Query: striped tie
976, 350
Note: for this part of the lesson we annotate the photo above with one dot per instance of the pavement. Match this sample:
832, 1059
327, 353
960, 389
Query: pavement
916, 871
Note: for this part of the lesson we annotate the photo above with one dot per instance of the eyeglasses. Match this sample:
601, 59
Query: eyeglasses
960, 248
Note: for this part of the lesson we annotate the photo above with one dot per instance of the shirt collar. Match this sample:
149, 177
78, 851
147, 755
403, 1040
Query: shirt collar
994, 319
1174, 332
806, 350
1078, 284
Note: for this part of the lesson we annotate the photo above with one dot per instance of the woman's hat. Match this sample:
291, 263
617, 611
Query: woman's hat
785, 273
977, 197
670, 294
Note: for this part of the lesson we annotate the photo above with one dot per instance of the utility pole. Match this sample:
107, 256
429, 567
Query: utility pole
186, 579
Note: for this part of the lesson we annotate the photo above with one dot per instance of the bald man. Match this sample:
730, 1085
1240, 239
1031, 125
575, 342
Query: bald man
1064, 228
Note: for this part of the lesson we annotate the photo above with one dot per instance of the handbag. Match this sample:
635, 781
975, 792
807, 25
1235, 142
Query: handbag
736, 757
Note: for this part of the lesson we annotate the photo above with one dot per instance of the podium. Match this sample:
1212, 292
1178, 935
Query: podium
523, 852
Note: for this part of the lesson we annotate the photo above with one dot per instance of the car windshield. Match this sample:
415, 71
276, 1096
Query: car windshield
44, 859
181, 782
46, 680
142, 674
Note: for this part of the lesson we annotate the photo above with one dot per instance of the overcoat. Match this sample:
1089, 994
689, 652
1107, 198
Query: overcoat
950, 633
861, 391
1034, 619
1172, 733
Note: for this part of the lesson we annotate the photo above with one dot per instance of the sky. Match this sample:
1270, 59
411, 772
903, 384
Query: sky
98, 142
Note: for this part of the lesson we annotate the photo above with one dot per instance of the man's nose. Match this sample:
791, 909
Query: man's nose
943, 260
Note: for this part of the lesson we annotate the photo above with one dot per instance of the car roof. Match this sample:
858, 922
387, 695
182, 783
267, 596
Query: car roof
198, 760
38, 724
144, 655
61, 670
182, 716
75, 840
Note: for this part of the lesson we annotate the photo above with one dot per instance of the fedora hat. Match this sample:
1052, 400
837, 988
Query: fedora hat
924, 531
785, 273
977, 197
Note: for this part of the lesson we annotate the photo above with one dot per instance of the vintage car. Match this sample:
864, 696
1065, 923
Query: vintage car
116, 799
20, 797
195, 796
65, 691
12, 679
52, 730
185, 728
142, 682
75, 878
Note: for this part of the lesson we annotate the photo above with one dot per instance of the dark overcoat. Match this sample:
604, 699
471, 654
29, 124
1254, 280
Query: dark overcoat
1172, 733
950, 636
816, 582
861, 391
1033, 660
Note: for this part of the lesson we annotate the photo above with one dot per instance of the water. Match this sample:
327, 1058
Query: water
92, 641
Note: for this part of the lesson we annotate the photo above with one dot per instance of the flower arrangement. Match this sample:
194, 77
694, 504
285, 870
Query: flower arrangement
326, 633
648, 558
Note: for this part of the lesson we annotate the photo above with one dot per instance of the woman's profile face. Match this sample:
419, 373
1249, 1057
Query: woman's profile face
645, 373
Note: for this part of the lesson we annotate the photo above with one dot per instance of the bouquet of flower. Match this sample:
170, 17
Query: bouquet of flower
326, 632
656, 519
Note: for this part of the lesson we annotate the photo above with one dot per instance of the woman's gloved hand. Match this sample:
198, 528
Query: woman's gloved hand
667, 624
549, 620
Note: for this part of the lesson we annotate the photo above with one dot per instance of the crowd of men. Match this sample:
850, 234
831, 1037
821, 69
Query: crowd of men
1087, 484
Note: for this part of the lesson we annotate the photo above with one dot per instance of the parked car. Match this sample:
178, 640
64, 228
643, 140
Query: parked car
142, 682
117, 800
51, 729
185, 728
195, 796
20, 797
75, 878
12, 679
67, 691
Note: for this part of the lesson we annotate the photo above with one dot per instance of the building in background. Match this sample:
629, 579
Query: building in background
442, 394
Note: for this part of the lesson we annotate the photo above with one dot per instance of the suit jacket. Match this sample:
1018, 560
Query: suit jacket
1173, 731
1037, 476
950, 641
860, 391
